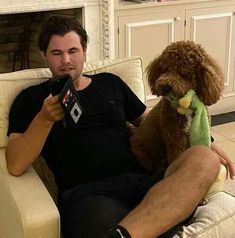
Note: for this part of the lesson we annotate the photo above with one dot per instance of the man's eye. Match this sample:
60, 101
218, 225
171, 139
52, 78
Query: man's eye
56, 53
72, 51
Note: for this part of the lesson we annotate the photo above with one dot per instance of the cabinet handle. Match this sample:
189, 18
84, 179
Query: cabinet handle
177, 19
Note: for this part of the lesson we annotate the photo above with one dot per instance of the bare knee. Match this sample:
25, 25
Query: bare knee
203, 157
199, 161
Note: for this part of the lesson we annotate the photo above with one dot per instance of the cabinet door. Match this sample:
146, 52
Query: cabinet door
214, 28
146, 35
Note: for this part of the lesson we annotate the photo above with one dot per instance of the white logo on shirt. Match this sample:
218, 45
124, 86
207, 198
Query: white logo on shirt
120, 233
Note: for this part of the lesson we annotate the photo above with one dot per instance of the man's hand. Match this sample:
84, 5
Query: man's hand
225, 160
51, 110
24, 148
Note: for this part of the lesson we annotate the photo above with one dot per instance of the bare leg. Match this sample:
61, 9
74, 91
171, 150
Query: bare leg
174, 198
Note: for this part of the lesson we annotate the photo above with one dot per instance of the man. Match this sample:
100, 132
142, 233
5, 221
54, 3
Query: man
103, 191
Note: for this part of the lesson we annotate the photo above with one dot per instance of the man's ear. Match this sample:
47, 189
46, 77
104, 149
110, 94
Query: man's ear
43, 54
84, 52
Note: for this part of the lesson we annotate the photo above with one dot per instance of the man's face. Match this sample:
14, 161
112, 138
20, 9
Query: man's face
65, 55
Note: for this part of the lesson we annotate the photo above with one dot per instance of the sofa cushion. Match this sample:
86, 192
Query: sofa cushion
216, 219
130, 70
10, 85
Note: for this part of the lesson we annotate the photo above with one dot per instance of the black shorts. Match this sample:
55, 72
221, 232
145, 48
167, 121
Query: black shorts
90, 210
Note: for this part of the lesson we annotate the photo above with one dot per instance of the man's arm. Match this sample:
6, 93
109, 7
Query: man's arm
24, 148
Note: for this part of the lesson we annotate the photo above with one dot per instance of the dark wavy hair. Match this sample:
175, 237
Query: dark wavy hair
60, 25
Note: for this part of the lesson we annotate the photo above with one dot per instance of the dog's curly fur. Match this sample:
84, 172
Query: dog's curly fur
162, 135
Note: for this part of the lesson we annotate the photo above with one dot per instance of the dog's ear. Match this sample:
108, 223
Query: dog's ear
211, 82
154, 70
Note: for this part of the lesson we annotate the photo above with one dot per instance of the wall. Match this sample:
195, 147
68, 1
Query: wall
97, 18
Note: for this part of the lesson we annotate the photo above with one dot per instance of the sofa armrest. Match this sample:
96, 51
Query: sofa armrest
26, 208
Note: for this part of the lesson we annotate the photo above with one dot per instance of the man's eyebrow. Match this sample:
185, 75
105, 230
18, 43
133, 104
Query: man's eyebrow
73, 48
55, 50
59, 51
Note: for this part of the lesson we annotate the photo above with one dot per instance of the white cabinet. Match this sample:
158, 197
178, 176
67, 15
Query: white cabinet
214, 28
147, 33
146, 29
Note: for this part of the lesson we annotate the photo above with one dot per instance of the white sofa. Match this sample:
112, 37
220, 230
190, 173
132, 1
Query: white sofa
27, 209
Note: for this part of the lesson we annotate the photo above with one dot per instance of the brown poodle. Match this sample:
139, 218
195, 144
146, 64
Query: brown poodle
162, 136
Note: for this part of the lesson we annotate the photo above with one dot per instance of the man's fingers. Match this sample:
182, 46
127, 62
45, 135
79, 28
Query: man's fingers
53, 99
229, 166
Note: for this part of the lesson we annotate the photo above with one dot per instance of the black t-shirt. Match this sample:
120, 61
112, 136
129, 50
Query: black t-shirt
99, 146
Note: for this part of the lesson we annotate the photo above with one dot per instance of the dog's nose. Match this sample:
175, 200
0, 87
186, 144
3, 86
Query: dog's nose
166, 89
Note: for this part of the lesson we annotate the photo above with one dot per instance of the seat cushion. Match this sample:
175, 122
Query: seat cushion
216, 219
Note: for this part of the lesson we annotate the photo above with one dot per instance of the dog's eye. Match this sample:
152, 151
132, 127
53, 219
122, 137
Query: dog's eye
166, 89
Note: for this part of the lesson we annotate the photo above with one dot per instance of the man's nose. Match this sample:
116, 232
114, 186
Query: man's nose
65, 58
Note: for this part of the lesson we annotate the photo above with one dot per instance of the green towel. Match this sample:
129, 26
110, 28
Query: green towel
200, 128
199, 131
